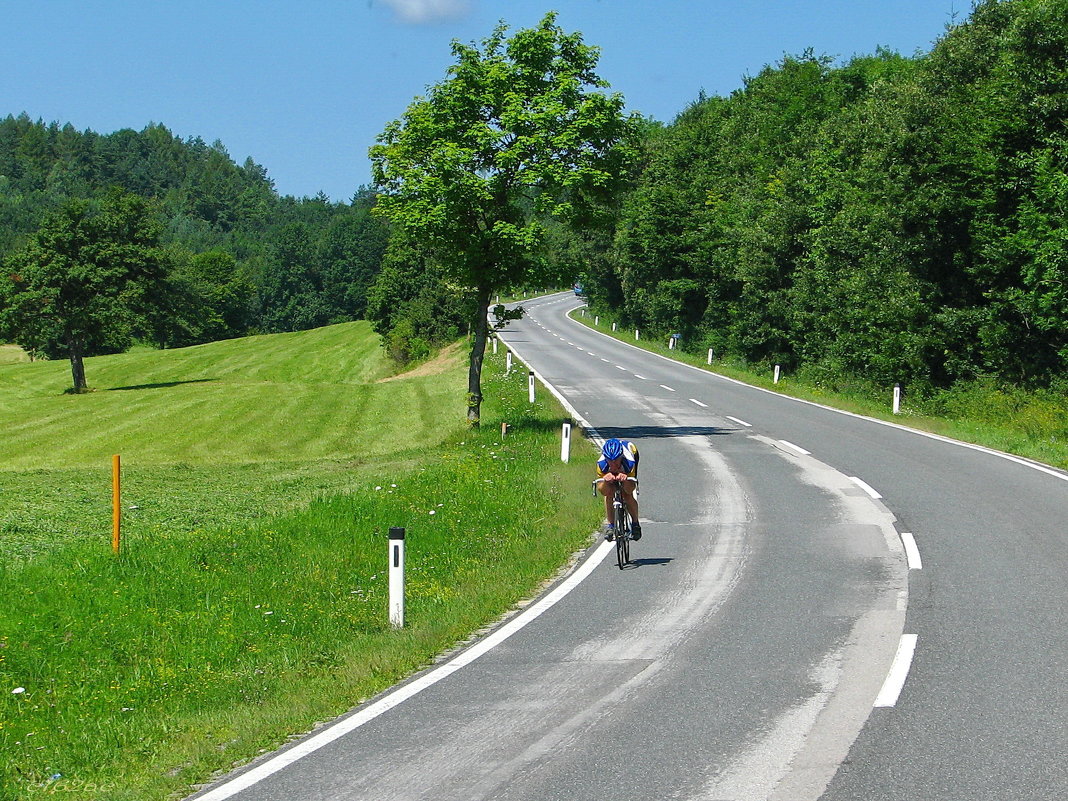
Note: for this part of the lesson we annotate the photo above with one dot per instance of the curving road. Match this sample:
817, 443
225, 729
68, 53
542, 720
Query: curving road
777, 638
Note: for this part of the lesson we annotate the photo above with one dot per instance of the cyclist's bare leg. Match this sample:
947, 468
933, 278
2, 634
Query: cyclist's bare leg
630, 500
608, 490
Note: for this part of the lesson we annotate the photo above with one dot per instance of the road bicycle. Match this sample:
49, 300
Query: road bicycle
621, 521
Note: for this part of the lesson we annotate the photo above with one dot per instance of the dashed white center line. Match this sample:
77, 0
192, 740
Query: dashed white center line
702, 405
796, 448
624, 369
866, 487
740, 422
643, 378
606, 361
665, 386
911, 551
899, 671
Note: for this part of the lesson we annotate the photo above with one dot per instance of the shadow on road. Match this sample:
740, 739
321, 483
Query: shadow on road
662, 560
642, 432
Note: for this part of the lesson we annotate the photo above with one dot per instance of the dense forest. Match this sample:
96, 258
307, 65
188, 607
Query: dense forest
891, 218
236, 257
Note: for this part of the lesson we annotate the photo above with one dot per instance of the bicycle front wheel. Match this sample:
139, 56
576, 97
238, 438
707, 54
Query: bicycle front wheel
622, 537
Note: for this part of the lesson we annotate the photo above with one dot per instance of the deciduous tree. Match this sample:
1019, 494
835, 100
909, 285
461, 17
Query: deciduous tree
85, 279
519, 131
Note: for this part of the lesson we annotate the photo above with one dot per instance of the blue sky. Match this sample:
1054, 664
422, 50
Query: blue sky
305, 87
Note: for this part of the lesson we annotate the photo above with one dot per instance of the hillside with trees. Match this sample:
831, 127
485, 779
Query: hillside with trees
234, 256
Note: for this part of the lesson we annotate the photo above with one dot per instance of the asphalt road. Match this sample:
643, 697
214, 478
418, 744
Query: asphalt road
743, 655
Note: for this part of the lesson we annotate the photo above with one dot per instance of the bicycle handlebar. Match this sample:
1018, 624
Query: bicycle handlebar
597, 481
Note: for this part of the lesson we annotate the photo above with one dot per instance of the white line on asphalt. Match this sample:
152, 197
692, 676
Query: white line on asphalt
605, 361
740, 422
866, 487
406, 691
665, 386
624, 369
702, 405
643, 378
591, 353
899, 671
911, 551
797, 448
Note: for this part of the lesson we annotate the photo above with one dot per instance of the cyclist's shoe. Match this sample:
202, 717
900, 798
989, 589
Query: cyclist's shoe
609, 533
635, 530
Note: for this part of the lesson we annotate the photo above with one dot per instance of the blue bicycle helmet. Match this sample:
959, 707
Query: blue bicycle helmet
612, 449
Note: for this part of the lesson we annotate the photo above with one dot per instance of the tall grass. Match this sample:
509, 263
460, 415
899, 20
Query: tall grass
202, 644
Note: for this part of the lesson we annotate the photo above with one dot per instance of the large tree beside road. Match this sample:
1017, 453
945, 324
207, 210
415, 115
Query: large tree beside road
520, 131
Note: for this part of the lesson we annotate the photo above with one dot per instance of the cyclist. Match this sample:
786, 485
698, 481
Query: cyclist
619, 459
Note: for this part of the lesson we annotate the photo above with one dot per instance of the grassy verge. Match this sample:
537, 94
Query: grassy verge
217, 634
1032, 424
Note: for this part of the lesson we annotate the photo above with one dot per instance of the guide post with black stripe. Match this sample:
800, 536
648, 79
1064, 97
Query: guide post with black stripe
396, 577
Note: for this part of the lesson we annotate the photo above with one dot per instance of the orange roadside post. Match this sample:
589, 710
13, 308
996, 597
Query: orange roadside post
116, 508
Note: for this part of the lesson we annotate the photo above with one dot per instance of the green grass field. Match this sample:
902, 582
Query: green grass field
249, 601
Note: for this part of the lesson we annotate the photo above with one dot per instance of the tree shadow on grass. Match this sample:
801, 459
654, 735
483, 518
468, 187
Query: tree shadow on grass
163, 385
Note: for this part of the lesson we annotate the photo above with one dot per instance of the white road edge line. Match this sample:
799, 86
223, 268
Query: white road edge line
899, 671
740, 422
406, 691
797, 448
702, 405
911, 551
866, 487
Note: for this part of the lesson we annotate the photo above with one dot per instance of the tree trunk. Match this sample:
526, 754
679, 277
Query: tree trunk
77, 367
478, 350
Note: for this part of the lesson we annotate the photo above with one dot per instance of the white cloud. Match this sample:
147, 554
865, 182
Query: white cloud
418, 12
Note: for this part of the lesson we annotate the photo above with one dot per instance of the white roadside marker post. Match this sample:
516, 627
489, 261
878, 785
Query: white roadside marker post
508, 363
494, 346
565, 444
897, 399
776, 374
396, 578
530, 385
